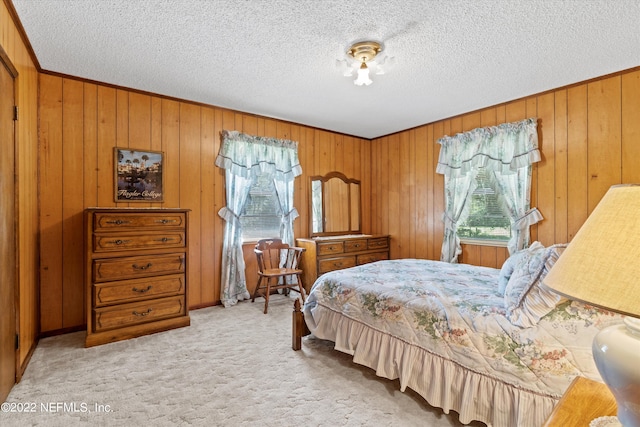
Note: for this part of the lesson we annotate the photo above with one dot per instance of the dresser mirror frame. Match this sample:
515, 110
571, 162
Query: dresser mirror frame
334, 205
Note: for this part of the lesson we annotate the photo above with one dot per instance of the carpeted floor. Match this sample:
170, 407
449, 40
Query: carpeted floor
231, 367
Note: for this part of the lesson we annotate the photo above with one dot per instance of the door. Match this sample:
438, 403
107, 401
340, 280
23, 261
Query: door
7, 234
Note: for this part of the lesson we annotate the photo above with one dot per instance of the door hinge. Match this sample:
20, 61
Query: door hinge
17, 341
15, 112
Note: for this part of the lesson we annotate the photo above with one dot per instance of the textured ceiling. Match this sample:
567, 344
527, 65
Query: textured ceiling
277, 58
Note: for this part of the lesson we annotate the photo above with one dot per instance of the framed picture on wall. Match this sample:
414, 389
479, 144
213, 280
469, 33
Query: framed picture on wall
138, 175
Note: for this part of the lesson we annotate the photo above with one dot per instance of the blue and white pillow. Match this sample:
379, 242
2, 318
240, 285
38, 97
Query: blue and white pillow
525, 300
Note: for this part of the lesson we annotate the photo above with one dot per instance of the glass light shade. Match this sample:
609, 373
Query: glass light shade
363, 76
601, 267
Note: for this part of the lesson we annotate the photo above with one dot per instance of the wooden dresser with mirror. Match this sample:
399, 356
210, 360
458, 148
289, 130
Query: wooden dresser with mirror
336, 240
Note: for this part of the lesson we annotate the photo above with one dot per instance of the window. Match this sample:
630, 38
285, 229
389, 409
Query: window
487, 219
262, 214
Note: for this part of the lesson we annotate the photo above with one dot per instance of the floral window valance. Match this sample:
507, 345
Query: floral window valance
504, 148
508, 151
248, 155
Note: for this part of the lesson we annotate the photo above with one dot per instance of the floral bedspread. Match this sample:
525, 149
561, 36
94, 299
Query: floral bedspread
455, 311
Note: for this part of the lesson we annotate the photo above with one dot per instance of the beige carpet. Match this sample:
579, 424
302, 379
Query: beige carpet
231, 367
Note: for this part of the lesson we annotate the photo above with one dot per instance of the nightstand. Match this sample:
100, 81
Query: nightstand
583, 401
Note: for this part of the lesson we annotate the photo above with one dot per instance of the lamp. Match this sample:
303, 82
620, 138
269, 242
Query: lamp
364, 52
601, 266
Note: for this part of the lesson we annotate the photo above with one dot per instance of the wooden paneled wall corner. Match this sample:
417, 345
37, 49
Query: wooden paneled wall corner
80, 124
589, 136
27, 191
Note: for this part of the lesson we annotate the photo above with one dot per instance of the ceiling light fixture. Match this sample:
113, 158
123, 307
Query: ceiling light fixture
364, 52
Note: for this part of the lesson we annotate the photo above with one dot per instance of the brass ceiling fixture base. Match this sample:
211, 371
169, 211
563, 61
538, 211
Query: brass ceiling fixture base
365, 51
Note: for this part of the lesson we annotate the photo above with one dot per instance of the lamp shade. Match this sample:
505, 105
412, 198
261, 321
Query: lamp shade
601, 264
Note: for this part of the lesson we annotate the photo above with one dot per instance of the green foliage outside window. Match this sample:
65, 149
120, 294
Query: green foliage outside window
487, 219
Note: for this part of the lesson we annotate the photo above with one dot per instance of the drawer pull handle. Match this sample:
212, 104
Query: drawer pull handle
143, 314
164, 240
118, 222
337, 264
120, 242
141, 267
142, 291
165, 221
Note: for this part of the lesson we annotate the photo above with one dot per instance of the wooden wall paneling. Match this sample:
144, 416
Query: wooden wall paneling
546, 168
270, 128
219, 203
250, 125
406, 198
577, 167
394, 211
122, 118
470, 254
630, 127
156, 125
604, 137
375, 198
325, 152
383, 176
428, 181
107, 106
73, 288
471, 121
90, 145
338, 153
139, 122
190, 185
50, 166
8, 33
422, 191
489, 256
439, 130
346, 151
139, 129
207, 206
171, 147
90, 159
561, 201
122, 128
365, 166
411, 190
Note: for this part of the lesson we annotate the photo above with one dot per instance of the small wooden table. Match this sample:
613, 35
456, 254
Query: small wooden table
583, 401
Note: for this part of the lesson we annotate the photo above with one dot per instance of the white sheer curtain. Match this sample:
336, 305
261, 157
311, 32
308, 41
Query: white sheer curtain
508, 150
244, 157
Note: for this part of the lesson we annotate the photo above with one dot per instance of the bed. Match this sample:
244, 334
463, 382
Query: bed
494, 345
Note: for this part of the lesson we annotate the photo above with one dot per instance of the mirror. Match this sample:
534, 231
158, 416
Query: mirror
335, 205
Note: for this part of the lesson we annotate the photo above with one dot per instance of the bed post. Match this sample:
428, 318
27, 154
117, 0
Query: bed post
299, 326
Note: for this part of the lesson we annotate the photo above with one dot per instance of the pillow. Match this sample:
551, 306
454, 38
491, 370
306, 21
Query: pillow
510, 264
525, 300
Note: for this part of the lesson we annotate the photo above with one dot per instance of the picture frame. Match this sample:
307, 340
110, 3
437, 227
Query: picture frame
138, 175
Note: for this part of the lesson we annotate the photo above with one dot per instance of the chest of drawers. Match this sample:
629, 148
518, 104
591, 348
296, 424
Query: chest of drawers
324, 254
135, 272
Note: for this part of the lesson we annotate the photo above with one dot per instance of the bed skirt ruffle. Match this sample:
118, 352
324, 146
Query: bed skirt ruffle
441, 382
